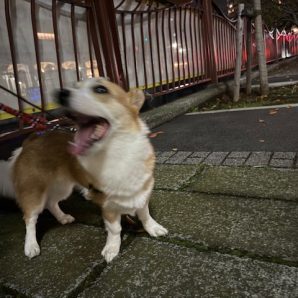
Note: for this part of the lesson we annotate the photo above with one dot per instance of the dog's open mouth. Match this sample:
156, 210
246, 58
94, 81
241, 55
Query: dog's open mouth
90, 130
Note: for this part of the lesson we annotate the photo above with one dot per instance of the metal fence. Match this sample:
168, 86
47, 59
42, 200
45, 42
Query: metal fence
45, 45
162, 48
159, 48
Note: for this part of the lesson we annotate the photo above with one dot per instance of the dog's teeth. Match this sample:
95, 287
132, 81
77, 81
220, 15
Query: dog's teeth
97, 133
73, 144
94, 136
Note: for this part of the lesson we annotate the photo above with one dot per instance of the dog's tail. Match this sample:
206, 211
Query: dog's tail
6, 185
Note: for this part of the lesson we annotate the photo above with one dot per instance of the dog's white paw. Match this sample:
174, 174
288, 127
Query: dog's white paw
154, 229
66, 218
31, 249
110, 251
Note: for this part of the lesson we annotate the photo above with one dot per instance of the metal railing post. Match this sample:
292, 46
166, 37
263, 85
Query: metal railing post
208, 40
107, 28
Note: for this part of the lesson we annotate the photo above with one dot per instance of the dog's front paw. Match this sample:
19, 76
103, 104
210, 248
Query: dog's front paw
110, 251
66, 218
31, 249
154, 229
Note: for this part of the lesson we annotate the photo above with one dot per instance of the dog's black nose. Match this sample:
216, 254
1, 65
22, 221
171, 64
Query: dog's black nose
62, 96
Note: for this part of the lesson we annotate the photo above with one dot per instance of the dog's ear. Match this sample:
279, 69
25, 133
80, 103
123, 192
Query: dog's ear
136, 98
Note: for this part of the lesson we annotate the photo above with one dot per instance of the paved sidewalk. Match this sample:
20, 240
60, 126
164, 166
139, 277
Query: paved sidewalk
232, 217
232, 233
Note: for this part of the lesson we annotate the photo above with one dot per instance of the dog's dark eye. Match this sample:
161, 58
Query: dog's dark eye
100, 89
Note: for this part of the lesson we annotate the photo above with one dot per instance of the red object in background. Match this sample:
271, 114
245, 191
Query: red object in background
39, 123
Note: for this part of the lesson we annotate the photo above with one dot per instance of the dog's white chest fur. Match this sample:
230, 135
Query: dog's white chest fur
130, 204
121, 171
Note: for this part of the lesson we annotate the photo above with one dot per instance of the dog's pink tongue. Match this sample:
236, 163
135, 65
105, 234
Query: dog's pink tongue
81, 140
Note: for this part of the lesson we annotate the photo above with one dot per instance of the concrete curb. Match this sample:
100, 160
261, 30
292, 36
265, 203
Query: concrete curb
167, 112
291, 105
181, 106
276, 85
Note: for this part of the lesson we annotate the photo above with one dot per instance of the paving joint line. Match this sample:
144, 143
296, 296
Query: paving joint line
94, 273
239, 253
228, 195
99, 268
295, 163
11, 292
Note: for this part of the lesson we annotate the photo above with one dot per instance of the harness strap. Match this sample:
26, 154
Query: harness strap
39, 123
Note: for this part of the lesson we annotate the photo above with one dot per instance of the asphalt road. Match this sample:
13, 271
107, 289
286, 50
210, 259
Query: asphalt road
249, 130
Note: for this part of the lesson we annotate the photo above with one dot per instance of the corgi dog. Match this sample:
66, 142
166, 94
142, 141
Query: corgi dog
109, 156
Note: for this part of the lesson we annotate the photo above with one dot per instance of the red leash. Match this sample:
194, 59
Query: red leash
39, 123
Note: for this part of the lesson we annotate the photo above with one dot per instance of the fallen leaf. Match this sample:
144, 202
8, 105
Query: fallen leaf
273, 112
155, 134
133, 224
262, 97
130, 220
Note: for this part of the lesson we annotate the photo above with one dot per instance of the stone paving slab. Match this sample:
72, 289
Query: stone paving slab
200, 154
174, 176
234, 162
284, 155
217, 228
69, 254
261, 227
152, 269
235, 158
281, 163
179, 157
193, 161
216, 158
259, 159
237, 154
162, 157
246, 181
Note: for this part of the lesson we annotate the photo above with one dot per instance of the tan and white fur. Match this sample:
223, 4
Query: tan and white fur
117, 159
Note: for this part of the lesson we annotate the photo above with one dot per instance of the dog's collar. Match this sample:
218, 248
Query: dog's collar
93, 189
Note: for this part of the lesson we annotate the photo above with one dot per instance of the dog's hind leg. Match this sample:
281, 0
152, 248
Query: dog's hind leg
31, 248
31, 213
63, 218
59, 194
